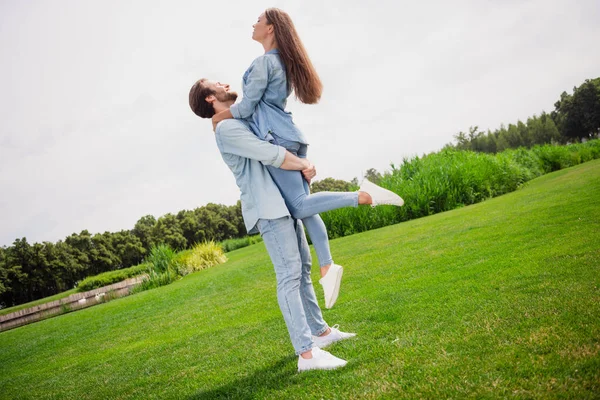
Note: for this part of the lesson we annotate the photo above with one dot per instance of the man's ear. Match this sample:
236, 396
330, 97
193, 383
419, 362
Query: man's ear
210, 98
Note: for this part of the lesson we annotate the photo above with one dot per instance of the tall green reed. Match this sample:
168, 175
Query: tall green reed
452, 178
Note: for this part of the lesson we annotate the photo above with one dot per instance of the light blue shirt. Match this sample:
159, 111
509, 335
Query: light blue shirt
246, 156
266, 91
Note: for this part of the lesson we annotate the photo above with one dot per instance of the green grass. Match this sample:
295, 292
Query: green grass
497, 299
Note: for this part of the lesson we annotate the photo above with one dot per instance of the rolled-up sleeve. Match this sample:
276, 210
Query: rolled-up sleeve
254, 87
234, 138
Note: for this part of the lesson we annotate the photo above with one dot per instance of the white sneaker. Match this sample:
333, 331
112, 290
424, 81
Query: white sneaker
380, 195
334, 336
331, 284
320, 360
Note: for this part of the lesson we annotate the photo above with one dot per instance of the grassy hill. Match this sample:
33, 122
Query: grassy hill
498, 299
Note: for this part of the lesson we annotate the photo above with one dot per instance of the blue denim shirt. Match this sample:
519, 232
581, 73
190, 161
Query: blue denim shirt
266, 91
246, 156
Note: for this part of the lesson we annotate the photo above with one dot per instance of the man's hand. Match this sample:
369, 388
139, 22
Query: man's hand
310, 172
218, 117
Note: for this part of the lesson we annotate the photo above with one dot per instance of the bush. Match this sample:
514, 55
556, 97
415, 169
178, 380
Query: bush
161, 258
166, 266
201, 256
154, 280
108, 278
452, 178
162, 268
234, 244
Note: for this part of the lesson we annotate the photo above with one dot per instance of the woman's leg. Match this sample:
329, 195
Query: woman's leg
294, 190
302, 205
318, 234
314, 317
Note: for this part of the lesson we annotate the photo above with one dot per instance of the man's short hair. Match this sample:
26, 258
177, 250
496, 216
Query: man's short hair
198, 103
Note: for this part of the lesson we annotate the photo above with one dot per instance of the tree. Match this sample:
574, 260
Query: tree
331, 185
19, 260
462, 141
80, 247
128, 248
502, 139
102, 255
11, 279
167, 231
143, 230
578, 116
524, 139
542, 129
513, 136
373, 175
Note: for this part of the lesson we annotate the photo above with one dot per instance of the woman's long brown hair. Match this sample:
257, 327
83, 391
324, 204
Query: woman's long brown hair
301, 74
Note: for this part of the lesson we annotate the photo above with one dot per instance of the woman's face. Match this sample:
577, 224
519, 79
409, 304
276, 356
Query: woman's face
261, 29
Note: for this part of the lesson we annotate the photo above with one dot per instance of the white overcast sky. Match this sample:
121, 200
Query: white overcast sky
96, 131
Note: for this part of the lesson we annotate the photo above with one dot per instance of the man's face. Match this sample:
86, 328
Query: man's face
222, 92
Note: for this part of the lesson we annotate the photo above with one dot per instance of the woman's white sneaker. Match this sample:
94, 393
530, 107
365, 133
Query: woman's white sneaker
331, 284
334, 336
380, 195
320, 360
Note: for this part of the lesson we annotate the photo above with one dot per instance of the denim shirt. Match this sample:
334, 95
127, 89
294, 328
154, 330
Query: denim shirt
266, 91
246, 156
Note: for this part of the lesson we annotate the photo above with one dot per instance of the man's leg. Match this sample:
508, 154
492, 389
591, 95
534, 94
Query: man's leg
280, 238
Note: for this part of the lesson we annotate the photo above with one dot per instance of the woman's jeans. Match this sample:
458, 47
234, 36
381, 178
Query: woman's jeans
305, 206
288, 248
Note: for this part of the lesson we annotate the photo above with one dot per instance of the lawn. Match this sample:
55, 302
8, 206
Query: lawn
498, 299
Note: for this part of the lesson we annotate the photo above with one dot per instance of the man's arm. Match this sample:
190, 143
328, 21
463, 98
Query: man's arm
235, 138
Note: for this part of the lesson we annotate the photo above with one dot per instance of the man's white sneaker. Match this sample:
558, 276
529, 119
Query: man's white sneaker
334, 336
331, 284
380, 195
320, 360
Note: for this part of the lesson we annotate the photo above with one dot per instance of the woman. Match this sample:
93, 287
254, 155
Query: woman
270, 79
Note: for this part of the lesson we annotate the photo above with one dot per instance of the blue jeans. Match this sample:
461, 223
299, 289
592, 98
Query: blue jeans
305, 206
288, 248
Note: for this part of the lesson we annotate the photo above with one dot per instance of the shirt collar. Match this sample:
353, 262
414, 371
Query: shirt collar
273, 51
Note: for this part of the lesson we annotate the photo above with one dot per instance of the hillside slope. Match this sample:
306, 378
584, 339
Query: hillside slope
497, 299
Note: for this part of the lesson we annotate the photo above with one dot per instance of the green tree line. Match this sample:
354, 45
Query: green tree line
576, 117
32, 271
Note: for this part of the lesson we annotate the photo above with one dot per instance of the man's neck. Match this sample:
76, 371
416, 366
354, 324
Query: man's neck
222, 106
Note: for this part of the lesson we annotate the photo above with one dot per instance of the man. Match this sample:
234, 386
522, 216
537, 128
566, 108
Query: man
264, 210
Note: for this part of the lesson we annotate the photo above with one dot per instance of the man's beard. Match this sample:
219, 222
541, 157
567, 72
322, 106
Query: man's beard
224, 97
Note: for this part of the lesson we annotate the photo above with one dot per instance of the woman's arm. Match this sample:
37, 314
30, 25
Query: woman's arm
256, 84
257, 81
225, 114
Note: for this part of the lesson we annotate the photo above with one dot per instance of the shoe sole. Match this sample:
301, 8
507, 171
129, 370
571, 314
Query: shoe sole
323, 346
322, 369
336, 289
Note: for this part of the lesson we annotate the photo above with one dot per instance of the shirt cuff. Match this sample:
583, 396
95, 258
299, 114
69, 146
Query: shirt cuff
280, 157
234, 111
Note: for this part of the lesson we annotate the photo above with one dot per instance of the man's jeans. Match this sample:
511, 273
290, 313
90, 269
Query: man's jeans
288, 248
